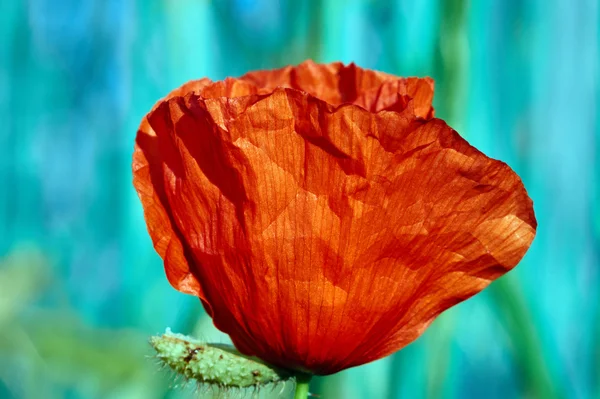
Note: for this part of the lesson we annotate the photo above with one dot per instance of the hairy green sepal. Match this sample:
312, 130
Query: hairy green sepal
214, 364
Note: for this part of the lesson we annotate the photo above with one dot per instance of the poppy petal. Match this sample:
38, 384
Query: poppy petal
338, 84
148, 163
323, 236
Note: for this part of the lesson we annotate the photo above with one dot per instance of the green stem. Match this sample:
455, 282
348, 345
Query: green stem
302, 382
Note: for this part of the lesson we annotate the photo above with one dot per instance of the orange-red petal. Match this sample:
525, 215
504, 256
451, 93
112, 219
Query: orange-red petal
323, 230
338, 84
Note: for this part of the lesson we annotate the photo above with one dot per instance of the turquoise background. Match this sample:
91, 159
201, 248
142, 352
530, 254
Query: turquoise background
81, 288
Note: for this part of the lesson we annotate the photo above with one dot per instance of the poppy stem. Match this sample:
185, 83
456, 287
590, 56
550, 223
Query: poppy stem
302, 382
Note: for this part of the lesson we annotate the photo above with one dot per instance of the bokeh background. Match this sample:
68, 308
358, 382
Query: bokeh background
81, 288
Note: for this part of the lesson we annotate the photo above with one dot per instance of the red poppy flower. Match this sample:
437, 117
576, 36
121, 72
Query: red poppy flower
321, 213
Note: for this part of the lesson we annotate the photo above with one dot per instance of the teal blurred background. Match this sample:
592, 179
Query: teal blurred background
81, 288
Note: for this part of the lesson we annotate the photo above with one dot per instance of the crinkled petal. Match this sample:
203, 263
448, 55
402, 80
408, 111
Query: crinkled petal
322, 235
338, 84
